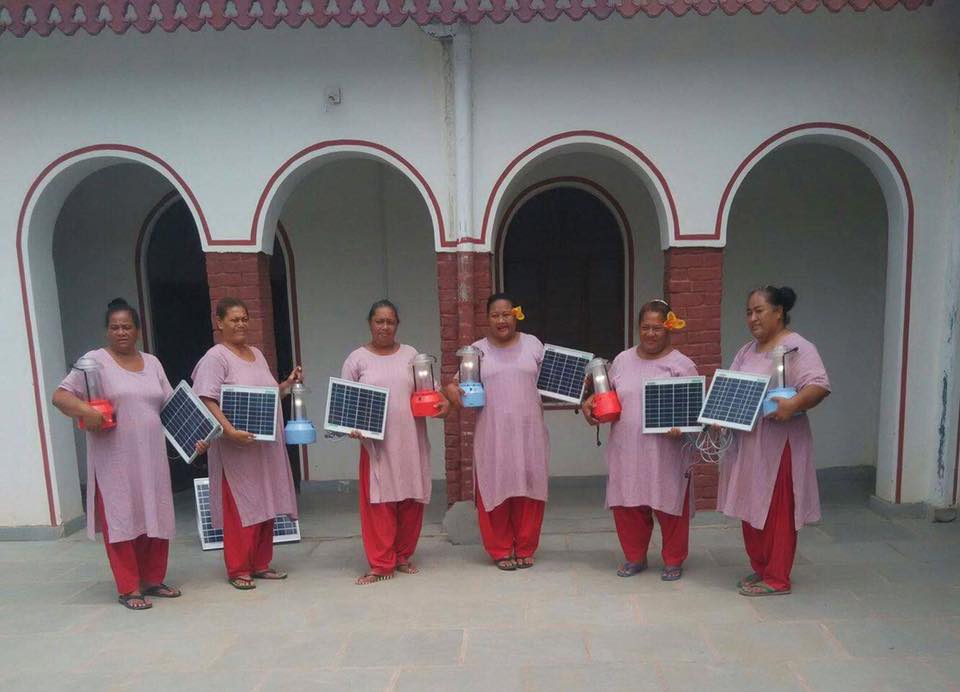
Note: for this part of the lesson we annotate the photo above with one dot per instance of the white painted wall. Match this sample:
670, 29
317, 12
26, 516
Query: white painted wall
813, 217
359, 231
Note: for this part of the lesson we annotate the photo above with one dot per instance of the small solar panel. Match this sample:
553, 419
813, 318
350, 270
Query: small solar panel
355, 406
285, 529
734, 399
673, 402
186, 421
562, 373
253, 409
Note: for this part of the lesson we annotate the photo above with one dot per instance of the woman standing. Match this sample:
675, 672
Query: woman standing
394, 478
647, 472
129, 497
770, 483
250, 480
511, 446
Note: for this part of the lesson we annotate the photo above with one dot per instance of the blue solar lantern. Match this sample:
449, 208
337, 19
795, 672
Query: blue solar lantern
299, 429
471, 388
781, 391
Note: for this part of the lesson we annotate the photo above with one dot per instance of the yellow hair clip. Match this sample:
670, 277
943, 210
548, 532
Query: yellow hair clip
673, 322
518, 313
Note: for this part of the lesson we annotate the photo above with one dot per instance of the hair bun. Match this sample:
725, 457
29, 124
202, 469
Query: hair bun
787, 298
117, 303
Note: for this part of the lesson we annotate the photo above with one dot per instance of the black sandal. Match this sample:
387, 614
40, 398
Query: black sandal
525, 562
126, 601
507, 564
162, 591
269, 574
241, 584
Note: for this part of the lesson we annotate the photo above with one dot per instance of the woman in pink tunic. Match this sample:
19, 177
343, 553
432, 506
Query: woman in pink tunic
129, 497
770, 481
250, 480
511, 447
647, 471
395, 477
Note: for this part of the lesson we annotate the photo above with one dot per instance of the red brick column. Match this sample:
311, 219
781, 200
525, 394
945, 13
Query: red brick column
693, 284
464, 282
245, 275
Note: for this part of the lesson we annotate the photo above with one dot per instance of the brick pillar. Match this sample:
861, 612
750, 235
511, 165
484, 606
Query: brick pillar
693, 284
246, 276
464, 283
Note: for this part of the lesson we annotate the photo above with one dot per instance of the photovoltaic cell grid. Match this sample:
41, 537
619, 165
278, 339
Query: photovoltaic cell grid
562, 372
253, 409
355, 406
187, 421
285, 529
672, 402
734, 399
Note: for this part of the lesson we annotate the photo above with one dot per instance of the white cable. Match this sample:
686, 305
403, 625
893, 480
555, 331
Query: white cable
711, 443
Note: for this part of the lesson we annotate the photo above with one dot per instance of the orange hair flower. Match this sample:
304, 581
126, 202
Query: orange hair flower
674, 323
518, 313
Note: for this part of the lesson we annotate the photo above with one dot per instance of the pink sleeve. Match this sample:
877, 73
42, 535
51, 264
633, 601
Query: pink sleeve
74, 384
686, 368
161, 377
209, 375
738, 359
807, 369
351, 368
538, 350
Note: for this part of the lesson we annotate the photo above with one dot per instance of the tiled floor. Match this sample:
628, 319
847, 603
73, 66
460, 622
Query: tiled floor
876, 606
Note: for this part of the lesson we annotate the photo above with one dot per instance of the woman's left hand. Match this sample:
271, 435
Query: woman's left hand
443, 407
786, 409
202, 447
674, 433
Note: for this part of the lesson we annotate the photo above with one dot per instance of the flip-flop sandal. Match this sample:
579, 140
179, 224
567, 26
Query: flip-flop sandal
628, 569
127, 599
671, 573
525, 562
507, 564
269, 574
407, 568
162, 591
762, 589
241, 584
372, 578
749, 580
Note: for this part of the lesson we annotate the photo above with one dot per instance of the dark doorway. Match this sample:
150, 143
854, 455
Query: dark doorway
563, 260
180, 332
283, 336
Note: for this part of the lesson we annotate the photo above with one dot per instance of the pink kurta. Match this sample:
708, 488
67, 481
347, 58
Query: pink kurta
258, 473
646, 470
400, 463
511, 447
128, 463
749, 472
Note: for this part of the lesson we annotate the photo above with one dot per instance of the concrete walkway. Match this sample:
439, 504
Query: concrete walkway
876, 606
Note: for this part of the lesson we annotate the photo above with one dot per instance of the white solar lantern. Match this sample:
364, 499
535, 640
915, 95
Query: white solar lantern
778, 355
299, 429
606, 404
90, 369
471, 388
425, 396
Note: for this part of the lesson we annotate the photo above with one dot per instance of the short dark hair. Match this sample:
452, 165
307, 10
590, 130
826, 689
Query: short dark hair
661, 307
500, 296
120, 305
224, 305
383, 303
782, 297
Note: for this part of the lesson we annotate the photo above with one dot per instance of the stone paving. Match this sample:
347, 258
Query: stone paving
876, 606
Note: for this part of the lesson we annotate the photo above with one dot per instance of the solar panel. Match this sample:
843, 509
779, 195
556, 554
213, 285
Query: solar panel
253, 409
673, 402
355, 406
562, 373
734, 399
285, 529
186, 421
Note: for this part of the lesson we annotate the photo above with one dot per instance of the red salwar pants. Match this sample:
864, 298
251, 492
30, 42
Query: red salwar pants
136, 563
512, 528
773, 549
246, 549
635, 528
390, 530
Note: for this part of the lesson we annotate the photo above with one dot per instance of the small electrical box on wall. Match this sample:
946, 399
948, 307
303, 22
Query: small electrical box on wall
332, 96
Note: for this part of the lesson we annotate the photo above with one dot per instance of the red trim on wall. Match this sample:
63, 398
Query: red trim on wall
294, 318
607, 196
892, 158
543, 143
138, 265
346, 143
956, 464
37, 386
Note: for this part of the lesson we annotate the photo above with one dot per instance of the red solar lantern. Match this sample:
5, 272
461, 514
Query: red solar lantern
94, 392
425, 397
606, 404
